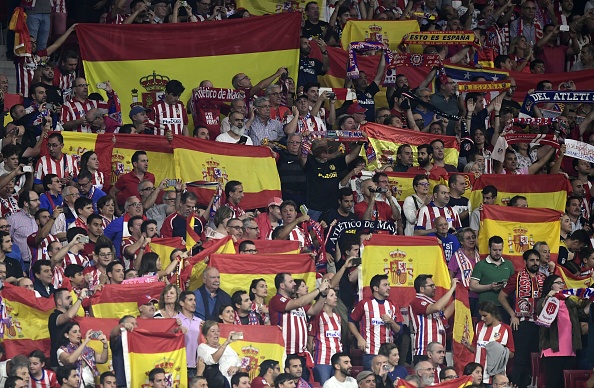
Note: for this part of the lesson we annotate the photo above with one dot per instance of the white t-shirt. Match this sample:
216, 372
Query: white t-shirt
226, 138
332, 382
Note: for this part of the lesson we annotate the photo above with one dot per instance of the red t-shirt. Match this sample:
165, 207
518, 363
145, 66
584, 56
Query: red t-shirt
127, 185
381, 211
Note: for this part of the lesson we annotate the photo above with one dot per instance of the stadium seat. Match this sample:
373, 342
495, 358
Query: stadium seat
356, 370
538, 378
576, 378
356, 357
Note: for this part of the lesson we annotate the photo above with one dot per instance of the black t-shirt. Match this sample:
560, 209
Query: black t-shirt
13, 268
366, 100
461, 202
53, 94
322, 182
315, 31
54, 331
309, 69
291, 173
328, 217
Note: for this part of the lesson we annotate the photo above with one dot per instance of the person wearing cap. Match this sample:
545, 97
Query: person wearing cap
269, 370
138, 115
365, 90
358, 113
268, 221
366, 379
146, 307
322, 174
190, 326
302, 120
341, 363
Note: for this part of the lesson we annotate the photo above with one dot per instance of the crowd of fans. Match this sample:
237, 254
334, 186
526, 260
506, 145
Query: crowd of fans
63, 227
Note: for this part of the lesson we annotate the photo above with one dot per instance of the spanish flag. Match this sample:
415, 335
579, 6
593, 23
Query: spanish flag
139, 60
463, 329
520, 229
254, 167
571, 280
163, 246
401, 184
547, 191
117, 300
403, 258
389, 32
461, 382
191, 274
267, 7
147, 349
260, 342
386, 140
238, 270
271, 247
24, 318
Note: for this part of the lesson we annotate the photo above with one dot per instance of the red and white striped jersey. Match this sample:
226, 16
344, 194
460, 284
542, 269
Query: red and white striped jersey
58, 278
326, 331
484, 334
39, 252
428, 214
25, 70
172, 117
59, 6
98, 180
9, 206
48, 380
293, 323
368, 313
75, 109
67, 165
64, 82
75, 258
92, 280
297, 234
425, 328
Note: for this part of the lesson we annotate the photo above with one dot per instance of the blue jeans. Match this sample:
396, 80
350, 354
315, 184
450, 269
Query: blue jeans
39, 28
322, 373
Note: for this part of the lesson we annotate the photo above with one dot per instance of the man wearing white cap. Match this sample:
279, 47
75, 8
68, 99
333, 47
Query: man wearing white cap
270, 220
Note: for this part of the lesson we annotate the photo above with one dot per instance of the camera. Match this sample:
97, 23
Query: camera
331, 95
237, 336
27, 169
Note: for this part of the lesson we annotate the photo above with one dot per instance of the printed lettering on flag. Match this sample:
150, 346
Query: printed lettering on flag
547, 191
388, 32
254, 167
235, 269
191, 274
403, 258
386, 140
463, 329
117, 300
24, 320
147, 349
140, 59
520, 230
258, 343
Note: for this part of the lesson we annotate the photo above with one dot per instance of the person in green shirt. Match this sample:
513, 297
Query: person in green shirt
490, 275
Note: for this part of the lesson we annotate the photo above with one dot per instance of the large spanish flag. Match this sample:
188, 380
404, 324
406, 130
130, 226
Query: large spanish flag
386, 140
520, 229
461, 382
403, 182
163, 246
571, 280
140, 59
463, 329
254, 167
147, 349
237, 271
389, 32
191, 274
403, 258
546, 191
259, 343
117, 300
24, 318
270, 247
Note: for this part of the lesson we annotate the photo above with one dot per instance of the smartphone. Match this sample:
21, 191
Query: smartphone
356, 261
237, 336
500, 283
564, 27
171, 182
50, 106
95, 335
102, 85
84, 239
27, 169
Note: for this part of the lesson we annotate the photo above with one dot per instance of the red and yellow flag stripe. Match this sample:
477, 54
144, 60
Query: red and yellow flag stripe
117, 300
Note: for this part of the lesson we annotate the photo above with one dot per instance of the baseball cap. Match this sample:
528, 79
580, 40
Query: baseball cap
275, 201
356, 108
146, 299
363, 375
299, 97
137, 109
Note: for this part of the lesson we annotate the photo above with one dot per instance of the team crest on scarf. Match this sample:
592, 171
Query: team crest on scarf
154, 84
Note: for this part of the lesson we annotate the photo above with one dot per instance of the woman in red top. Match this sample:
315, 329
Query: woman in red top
521, 54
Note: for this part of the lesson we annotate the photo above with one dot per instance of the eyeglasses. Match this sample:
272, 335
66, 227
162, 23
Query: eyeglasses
432, 369
136, 204
430, 285
5, 227
559, 282
452, 377
168, 199
53, 145
73, 195
470, 238
82, 85
105, 255
423, 184
236, 227
253, 227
